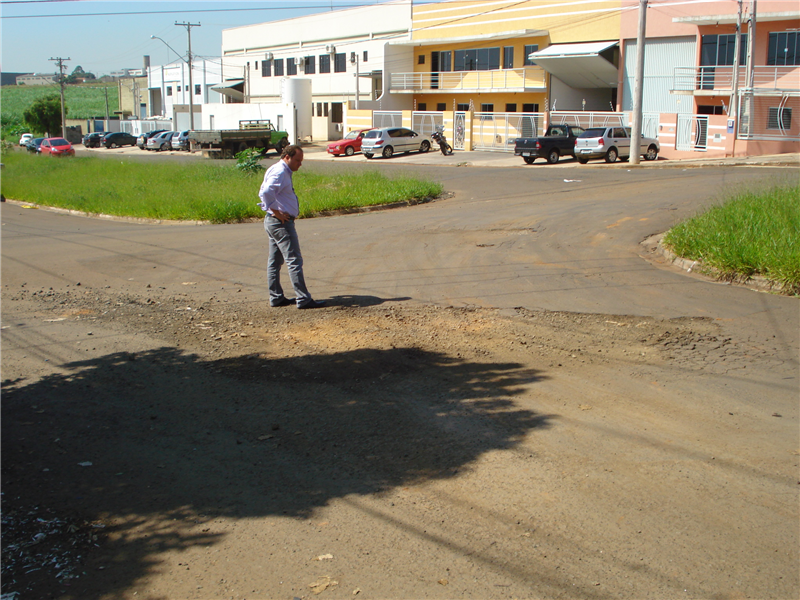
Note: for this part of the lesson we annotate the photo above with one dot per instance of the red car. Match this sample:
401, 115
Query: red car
349, 145
57, 147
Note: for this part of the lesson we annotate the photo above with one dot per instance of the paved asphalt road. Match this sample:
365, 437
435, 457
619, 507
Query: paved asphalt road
541, 237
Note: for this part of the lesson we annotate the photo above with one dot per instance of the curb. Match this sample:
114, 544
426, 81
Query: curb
653, 244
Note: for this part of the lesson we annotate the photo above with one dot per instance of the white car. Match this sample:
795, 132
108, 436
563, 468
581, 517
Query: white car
611, 143
389, 140
26, 137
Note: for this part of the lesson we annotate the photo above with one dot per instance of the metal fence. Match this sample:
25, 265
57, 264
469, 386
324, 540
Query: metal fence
769, 117
498, 131
136, 127
387, 119
588, 119
425, 122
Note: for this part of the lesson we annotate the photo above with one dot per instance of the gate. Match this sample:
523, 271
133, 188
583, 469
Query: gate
458, 130
499, 131
425, 123
692, 133
650, 125
387, 119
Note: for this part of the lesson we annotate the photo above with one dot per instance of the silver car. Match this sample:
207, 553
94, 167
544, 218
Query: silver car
180, 141
390, 140
611, 143
162, 141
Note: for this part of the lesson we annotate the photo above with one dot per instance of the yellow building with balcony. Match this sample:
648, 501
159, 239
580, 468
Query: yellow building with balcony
478, 57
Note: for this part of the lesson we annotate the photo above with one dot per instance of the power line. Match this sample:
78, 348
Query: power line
169, 12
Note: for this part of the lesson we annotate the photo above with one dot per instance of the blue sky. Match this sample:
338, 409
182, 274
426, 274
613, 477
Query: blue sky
101, 43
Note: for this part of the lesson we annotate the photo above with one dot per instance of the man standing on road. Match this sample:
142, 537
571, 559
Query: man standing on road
282, 207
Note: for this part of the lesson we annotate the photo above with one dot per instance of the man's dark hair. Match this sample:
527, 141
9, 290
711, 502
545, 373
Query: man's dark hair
290, 150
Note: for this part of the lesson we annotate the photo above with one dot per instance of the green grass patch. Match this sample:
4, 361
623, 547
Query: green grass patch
200, 191
753, 233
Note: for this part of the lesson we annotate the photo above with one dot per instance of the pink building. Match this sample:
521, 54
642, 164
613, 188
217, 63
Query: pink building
691, 78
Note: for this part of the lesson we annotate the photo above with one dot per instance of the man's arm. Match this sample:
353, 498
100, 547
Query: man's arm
268, 192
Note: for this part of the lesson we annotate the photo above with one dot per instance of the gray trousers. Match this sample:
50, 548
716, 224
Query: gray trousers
284, 247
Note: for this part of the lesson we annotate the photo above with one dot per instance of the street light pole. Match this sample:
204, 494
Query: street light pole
189, 62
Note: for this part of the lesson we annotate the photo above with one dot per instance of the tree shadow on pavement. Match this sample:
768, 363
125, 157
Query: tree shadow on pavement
175, 441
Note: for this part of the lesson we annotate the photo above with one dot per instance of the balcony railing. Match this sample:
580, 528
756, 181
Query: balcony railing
720, 79
468, 81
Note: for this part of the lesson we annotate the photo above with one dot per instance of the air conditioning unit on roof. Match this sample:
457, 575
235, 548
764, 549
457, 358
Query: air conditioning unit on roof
299, 61
267, 55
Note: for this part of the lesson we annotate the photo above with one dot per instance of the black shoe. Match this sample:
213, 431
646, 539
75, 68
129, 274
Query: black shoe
281, 302
313, 304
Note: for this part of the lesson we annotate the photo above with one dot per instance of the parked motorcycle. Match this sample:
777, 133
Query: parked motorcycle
438, 137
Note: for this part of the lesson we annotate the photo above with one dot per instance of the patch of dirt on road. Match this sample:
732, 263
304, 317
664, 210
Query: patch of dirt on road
250, 430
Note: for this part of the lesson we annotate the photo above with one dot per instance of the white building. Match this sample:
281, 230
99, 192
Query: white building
36, 79
346, 55
168, 89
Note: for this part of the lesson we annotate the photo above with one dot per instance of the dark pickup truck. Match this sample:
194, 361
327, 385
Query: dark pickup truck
557, 142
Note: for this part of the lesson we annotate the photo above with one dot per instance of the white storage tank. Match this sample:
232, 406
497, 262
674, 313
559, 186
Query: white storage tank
297, 91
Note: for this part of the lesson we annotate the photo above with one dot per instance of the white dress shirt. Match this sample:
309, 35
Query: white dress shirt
277, 191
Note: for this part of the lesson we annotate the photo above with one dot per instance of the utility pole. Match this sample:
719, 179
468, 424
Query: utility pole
751, 46
733, 114
638, 85
60, 62
354, 60
737, 51
189, 62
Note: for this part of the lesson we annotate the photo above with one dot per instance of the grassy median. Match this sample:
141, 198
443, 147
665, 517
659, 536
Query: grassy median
753, 233
200, 191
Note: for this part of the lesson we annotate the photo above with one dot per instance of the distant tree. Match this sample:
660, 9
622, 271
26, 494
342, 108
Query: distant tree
44, 115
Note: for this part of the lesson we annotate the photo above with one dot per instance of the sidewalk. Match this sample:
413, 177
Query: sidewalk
317, 151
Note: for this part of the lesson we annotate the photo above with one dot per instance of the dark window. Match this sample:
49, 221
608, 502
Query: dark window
255, 66
339, 63
179, 88
508, 57
481, 59
779, 118
325, 109
169, 90
718, 50
319, 109
266, 68
422, 106
336, 111
310, 65
278, 64
487, 107
710, 110
511, 108
462, 107
441, 106
364, 59
291, 66
530, 108
421, 59
324, 63
196, 89
783, 49
529, 48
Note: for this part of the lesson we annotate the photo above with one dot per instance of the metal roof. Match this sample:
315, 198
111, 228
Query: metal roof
579, 65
